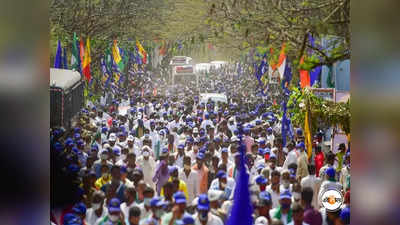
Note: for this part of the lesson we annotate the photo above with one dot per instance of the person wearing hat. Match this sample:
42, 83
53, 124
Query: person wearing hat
186, 220
283, 212
190, 177
206, 121
179, 155
203, 215
215, 197
223, 183
98, 209
330, 183
263, 206
178, 210
274, 187
202, 170
225, 158
261, 182
114, 215
147, 163
344, 216
174, 178
156, 204
79, 210
231, 124
72, 219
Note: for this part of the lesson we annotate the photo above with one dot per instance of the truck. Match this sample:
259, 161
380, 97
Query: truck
66, 96
182, 70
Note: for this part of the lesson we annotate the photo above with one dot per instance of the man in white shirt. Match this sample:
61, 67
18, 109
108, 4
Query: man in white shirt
206, 121
313, 182
98, 209
282, 212
190, 177
179, 155
148, 165
330, 183
291, 157
274, 188
130, 195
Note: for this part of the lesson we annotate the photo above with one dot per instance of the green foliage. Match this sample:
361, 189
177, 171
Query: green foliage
323, 113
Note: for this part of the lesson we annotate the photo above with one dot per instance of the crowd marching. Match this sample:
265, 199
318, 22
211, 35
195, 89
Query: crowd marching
136, 156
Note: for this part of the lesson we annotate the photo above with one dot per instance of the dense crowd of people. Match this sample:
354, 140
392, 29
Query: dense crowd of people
140, 157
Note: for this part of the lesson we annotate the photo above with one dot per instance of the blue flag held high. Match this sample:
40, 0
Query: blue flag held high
242, 209
58, 58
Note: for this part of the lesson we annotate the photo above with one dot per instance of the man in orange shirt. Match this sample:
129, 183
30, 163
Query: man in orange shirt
202, 170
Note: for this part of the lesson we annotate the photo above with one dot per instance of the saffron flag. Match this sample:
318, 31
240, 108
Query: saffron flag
116, 52
282, 61
142, 52
58, 58
304, 76
242, 209
86, 61
307, 135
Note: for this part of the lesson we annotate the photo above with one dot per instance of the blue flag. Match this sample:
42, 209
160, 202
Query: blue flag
316, 72
58, 58
242, 209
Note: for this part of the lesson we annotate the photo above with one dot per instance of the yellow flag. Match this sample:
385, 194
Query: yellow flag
307, 136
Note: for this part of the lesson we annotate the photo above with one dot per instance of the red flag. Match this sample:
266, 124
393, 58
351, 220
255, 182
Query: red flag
304, 76
86, 61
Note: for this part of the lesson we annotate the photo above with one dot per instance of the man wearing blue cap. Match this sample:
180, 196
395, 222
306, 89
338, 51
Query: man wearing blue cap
186, 220
291, 156
283, 212
330, 183
263, 205
114, 216
203, 215
174, 178
178, 210
179, 155
157, 204
223, 183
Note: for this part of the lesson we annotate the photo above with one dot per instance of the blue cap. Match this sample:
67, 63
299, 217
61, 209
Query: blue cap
262, 151
73, 168
300, 145
114, 205
261, 180
330, 172
345, 215
181, 146
72, 219
272, 156
200, 155
246, 130
265, 196
58, 146
258, 122
77, 129
224, 150
261, 141
285, 195
77, 136
94, 147
164, 151
79, 208
203, 202
186, 220
80, 142
217, 139
116, 151
269, 129
221, 174
124, 169
156, 202
299, 131
104, 129
260, 166
172, 169
179, 197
